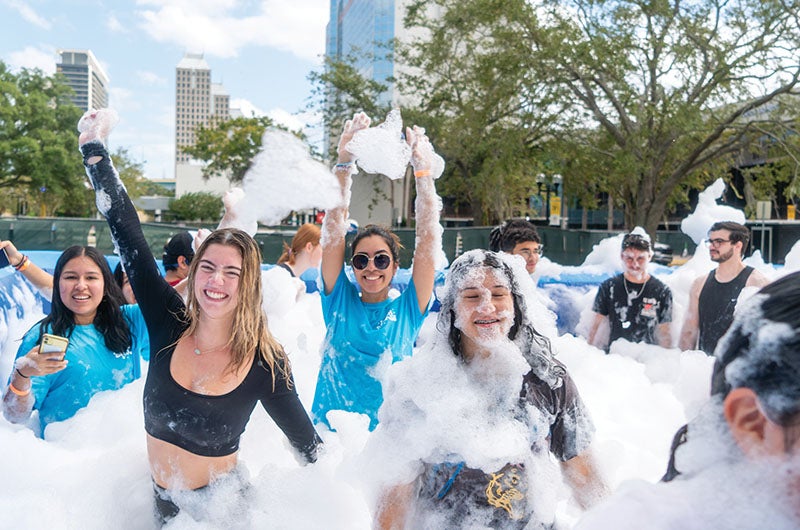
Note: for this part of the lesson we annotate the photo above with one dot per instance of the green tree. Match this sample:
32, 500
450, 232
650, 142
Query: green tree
669, 87
38, 141
228, 147
197, 206
339, 90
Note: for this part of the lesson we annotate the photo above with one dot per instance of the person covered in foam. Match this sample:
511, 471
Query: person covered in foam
365, 327
492, 419
738, 465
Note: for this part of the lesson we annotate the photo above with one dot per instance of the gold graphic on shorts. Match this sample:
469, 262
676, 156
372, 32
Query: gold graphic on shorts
502, 491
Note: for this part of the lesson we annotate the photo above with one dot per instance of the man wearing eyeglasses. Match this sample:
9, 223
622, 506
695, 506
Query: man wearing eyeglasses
518, 237
637, 306
712, 298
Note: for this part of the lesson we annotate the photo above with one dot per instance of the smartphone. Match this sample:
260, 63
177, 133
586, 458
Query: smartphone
53, 344
4, 259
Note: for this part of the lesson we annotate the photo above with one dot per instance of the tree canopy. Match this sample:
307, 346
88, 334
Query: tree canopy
38, 140
656, 96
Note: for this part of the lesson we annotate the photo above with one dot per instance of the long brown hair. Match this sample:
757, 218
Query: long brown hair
307, 233
249, 331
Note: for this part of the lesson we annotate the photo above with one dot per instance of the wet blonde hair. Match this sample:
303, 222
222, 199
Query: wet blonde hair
249, 331
307, 233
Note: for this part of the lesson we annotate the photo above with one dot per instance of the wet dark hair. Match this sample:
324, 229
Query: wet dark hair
109, 320
504, 237
738, 232
534, 346
637, 241
391, 239
757, 355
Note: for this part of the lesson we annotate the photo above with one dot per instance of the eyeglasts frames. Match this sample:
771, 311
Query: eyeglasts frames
361, 261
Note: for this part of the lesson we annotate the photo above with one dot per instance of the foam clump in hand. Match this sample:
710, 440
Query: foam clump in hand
97, 125
382, 149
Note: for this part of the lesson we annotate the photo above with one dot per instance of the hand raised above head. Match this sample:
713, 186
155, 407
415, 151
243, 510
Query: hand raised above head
359, 122
96, 125
421, 149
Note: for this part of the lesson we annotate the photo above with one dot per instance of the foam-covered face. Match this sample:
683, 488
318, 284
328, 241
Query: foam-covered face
484, 308
81, 287
216, 282
528, 250
635, 262
374, 282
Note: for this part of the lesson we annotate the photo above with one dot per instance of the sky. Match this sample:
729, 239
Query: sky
261, 51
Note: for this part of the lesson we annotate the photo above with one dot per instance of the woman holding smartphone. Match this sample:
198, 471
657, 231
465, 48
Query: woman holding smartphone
213, 357
106, 342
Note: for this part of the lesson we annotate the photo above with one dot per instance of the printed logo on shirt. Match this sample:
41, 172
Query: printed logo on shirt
505, 490
649, 307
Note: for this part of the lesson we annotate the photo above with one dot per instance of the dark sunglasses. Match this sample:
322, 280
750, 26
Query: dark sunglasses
360, 261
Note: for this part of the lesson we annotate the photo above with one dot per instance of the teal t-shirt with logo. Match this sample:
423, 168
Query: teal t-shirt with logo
358, 335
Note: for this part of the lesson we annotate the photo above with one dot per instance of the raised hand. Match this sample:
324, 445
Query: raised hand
421, 149
359, 122
96, 125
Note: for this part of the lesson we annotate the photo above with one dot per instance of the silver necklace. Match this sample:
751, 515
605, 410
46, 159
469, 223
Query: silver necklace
633, 295
198, 351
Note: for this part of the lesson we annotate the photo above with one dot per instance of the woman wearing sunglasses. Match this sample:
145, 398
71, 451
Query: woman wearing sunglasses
364, 329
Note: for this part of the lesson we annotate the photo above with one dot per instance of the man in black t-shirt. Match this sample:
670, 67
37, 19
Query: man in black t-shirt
637, 306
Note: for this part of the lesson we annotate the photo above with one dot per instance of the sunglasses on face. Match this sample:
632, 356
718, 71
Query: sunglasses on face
361, 261
716, 242
528, 253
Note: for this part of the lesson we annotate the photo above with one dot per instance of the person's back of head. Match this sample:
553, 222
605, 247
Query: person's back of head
178, 245
761, 350
307, 233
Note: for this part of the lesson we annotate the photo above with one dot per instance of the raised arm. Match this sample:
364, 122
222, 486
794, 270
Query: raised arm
40, 279
154, 295
334, 224
427, 207
691, 322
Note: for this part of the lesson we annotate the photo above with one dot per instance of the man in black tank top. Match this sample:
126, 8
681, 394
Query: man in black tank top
713, 297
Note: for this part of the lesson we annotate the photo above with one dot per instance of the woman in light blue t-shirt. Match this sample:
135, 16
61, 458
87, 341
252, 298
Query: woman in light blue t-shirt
107, 341
367, 327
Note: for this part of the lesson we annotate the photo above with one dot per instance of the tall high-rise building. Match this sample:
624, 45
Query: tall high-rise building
198, 101
368, 29
86, 78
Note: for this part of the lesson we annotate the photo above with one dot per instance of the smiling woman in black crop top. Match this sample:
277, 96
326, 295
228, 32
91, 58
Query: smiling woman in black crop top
213, 358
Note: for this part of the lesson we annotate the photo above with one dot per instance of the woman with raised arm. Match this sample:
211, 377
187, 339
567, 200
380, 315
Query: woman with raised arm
361, 329
212, 359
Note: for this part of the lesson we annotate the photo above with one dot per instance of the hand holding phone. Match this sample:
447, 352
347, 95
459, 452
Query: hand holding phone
4, 259
53, 346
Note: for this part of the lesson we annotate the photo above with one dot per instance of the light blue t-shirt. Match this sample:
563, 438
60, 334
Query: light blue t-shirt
358, 334
92, 368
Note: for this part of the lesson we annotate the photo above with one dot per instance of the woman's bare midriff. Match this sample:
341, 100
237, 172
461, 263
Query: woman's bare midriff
176, 468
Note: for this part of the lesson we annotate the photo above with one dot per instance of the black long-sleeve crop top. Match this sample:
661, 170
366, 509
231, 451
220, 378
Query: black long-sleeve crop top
201, 424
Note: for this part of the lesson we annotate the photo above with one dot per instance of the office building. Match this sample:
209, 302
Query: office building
369, 28
86, 77
198, 101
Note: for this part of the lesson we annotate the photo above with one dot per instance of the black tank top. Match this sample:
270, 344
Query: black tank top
716, 304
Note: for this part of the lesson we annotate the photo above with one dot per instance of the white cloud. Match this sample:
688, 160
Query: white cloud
113, 24
122, 100
219, 28
30, 57
27, 12
150, 78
